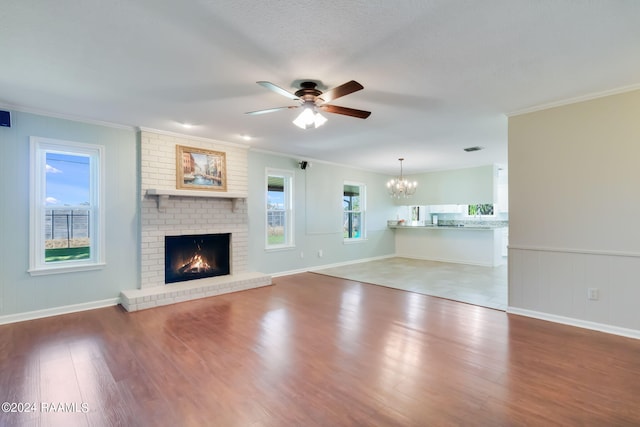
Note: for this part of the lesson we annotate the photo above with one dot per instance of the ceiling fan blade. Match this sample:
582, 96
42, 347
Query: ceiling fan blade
361, 114
278, 90
271, 110
342, 90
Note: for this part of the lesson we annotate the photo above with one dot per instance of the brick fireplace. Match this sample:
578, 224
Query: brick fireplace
166, 211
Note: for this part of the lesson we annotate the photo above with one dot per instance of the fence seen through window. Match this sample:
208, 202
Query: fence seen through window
276, 224
67, 234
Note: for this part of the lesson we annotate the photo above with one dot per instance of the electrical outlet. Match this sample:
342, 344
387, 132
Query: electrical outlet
319, 253
301, 254
593, 294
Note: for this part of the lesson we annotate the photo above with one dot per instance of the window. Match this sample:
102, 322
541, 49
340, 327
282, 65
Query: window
279, 209
480, 209
354, 207
66, 222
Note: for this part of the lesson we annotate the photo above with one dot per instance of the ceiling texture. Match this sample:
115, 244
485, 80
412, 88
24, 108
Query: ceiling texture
438, 75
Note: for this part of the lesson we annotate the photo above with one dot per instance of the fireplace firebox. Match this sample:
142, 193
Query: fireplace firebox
196, 256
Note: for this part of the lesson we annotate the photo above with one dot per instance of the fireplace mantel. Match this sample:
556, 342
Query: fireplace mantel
163, 195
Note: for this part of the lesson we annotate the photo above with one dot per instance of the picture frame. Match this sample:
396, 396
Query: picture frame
200, 169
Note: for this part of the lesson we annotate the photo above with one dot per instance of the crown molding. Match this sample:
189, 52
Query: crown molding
575, 100
70, 117
312, 160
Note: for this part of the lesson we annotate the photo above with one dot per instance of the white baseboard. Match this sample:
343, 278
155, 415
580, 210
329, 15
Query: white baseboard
56, 311
610, 329
289, 272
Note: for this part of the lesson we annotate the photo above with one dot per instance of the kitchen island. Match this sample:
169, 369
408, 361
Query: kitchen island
477, 243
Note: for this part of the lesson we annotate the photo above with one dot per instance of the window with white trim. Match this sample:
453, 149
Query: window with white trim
354, 208
279, 220
66, 229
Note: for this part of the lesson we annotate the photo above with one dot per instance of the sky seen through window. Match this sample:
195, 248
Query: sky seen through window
68, 179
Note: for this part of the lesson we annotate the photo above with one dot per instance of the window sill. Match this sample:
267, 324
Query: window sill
43, 271
279, 248
352, 241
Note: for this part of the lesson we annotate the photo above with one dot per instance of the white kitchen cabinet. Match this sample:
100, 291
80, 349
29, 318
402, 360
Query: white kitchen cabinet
439, 209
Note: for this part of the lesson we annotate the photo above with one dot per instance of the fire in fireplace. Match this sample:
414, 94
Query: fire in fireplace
196, 256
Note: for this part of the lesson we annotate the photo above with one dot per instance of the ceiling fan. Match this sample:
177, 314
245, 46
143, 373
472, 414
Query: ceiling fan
311, 100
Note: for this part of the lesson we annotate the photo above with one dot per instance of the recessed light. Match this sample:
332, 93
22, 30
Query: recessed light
245, 137
183, 125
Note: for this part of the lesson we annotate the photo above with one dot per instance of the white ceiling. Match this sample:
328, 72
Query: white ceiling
438, 76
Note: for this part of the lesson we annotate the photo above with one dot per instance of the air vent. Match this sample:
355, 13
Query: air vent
470, 149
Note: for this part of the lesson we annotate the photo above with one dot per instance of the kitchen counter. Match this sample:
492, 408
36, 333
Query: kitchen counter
449, 227
481, 244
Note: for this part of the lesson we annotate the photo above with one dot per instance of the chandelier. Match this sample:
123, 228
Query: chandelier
401, 187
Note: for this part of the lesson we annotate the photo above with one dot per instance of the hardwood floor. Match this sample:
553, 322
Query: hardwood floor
316, 351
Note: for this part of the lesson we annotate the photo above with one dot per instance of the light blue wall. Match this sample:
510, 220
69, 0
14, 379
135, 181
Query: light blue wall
20, 292
318, 218
318, 215
455, 186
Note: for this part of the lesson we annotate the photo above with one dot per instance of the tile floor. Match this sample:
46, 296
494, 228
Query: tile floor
484, 286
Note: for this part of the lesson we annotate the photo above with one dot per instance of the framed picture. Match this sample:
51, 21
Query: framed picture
200, 169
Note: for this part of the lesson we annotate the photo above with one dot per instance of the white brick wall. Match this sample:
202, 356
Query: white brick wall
158, 160
188, 215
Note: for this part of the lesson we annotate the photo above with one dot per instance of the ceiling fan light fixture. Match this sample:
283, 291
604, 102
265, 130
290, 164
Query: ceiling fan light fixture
309, 117
304, 119
319, 120
311, 99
